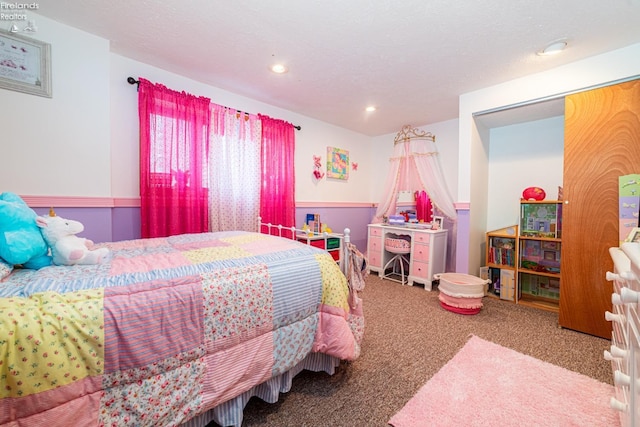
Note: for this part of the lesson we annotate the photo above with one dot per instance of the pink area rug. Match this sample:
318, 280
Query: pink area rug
489, 385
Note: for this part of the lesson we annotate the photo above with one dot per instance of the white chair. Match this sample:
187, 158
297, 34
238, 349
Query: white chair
401, 247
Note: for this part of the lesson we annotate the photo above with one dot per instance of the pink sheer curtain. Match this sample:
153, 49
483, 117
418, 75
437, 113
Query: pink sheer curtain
234, 163
414, 167
277, 192
174, 146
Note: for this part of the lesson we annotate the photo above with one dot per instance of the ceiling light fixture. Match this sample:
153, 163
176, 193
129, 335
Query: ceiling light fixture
370, 108
553, 48
279, 68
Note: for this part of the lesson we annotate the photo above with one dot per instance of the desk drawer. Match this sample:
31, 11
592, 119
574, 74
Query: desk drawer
423, 238
375, 259
374, 251
421, 269
375, 245
375, 231
421, 253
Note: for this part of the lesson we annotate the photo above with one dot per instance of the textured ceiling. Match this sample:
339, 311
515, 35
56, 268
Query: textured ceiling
410, 58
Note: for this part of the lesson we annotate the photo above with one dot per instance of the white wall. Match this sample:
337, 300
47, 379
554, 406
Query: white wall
579, 75
60, 145
523, 155
314, 137
446, 141
472, 163
84, 141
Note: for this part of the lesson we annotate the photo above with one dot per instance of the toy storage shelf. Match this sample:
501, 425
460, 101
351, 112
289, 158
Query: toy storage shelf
331, 243
539, 254
502, 257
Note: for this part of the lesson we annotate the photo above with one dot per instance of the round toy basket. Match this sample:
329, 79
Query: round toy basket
461, 293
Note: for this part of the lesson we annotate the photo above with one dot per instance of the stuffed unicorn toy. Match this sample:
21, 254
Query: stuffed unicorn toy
66, 247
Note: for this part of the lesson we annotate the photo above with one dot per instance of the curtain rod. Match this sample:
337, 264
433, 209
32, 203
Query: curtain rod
133, 81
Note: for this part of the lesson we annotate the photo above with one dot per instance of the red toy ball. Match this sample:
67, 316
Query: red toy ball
534, 193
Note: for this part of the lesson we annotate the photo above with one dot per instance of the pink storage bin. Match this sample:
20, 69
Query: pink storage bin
458, 310
460, 302
461, 293
461, 285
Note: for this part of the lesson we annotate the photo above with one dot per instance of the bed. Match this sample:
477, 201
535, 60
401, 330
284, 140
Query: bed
171, 331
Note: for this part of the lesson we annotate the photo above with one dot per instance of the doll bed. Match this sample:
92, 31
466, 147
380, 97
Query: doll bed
171, 331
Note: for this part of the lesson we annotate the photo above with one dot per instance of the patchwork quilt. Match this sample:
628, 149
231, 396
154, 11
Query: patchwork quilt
167, 329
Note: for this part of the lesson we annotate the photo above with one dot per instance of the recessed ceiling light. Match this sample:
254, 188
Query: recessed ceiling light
279, 68
370, 108
553, 48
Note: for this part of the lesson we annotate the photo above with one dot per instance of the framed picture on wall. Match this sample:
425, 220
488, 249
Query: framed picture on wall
25, 64
337, 163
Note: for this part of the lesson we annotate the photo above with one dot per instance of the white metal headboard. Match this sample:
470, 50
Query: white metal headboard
299, 234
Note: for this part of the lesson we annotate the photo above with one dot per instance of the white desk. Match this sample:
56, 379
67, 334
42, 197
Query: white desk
428, 251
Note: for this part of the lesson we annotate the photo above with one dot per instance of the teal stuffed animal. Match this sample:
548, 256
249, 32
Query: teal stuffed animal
21, 242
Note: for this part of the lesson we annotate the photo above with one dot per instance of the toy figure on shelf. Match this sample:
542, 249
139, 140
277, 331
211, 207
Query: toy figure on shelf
307, 230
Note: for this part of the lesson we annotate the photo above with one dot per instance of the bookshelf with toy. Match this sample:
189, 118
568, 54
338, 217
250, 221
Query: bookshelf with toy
501, 262
539, 253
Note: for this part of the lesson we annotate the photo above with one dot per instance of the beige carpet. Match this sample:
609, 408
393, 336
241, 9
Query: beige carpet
486, 384
408, 338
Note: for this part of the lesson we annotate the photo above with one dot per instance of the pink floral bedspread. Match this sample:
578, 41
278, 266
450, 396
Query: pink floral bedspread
167, 329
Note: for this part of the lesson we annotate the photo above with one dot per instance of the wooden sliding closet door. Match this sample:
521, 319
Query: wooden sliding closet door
602, 142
